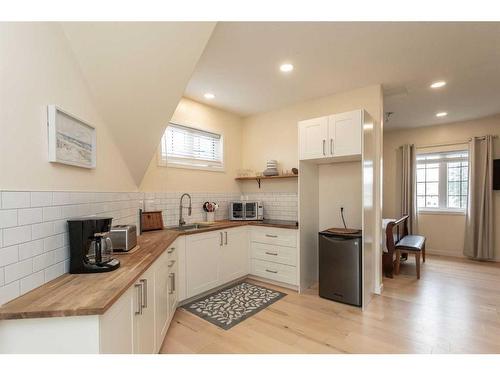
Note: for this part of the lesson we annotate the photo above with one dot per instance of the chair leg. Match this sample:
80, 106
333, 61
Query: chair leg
423, 253
417, 260
398, 260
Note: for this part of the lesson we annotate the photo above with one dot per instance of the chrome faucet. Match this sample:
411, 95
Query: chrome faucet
181, 219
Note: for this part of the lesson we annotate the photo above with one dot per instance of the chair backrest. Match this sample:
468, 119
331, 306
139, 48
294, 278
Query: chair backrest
395, 231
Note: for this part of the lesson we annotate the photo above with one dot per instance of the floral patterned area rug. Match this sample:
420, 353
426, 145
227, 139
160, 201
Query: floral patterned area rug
232, 305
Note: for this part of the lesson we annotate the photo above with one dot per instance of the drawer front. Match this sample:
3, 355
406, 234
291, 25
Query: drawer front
274, 253
275, 237
274, 271
172, 251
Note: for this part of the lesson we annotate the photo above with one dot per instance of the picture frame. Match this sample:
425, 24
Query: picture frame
71, 141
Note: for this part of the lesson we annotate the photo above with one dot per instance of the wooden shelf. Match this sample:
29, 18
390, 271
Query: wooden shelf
260, 178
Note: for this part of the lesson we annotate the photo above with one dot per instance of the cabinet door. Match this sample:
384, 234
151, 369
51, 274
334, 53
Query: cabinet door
116, 326
161, 299
234, 254
173, 277
313, 135
202, 262
144, 320
344, 130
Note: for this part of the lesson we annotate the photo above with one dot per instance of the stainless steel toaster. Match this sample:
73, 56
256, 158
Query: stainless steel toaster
123, 237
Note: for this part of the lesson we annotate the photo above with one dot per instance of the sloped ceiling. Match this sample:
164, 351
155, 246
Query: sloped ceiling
137, 73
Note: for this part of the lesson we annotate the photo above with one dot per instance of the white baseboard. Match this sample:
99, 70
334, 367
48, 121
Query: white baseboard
448, 253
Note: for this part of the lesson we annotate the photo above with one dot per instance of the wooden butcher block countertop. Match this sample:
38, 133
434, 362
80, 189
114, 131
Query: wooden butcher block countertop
93, 294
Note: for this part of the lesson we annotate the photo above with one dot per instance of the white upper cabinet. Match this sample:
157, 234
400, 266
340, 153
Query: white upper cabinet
313, 135
344, 130
332, 136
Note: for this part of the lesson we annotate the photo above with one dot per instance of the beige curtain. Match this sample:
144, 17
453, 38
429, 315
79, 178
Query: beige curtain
479, 220
409, 186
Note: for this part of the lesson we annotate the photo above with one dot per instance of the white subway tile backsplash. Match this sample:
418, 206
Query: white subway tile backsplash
53, 242
52, 213
44, 260
42, 230
18, 270
46, 244
41, 198
60, 198
9, 255
30, 216
15, 199
16, 235
9, 292
30, 249
61, 254
54, 271
32, 281
8, 218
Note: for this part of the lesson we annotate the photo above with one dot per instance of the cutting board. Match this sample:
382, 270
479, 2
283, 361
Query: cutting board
151, 220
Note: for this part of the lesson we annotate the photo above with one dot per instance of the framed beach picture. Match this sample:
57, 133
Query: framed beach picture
71, 141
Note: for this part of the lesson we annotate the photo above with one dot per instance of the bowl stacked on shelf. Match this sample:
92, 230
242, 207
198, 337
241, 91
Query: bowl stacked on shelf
272, 168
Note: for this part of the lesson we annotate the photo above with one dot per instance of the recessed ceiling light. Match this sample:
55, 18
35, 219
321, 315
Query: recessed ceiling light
441, 114
209, 95
285, 68
438, 84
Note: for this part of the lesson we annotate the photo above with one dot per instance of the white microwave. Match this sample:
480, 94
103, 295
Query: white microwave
246, 210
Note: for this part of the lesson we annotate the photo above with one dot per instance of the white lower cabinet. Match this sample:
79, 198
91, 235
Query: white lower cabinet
215, 258
202, 262
234, 255
144, 319
162, 302
139, 320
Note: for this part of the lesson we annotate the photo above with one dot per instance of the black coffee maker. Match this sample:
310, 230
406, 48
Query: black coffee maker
90, 247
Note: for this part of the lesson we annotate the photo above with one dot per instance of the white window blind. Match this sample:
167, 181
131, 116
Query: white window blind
442, 180
182, 146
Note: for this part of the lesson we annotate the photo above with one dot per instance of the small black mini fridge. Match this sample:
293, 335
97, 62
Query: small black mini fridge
340, 267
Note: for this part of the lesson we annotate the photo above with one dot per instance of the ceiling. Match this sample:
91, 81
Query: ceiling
137, 73
240, 65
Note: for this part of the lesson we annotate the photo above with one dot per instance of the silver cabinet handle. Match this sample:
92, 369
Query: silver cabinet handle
172, 262
225, 243
271, 271
268, 253
271, 235
139, 299
331, 146
221, 235
144, 293
172, 249
324, 141
172, 283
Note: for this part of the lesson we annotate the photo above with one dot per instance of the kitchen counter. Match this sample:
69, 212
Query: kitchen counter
94, 294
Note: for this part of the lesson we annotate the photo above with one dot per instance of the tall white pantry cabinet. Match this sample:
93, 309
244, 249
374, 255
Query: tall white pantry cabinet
349, 137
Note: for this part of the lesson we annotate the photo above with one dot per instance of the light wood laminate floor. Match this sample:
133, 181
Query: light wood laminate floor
453, 308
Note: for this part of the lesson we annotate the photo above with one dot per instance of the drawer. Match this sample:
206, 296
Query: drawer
274, 253
273, 236
172, 251
274, 271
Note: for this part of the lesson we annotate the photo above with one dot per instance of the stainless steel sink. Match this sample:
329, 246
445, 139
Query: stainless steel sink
189, 227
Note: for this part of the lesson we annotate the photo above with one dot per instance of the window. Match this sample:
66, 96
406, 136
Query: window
442, 180
186, 147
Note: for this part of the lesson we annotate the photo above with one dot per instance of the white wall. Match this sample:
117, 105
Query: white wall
340, 185
444, 232
201, 116
37, 68
273, 135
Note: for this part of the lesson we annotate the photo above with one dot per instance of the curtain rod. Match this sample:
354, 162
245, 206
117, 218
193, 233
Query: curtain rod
452, 143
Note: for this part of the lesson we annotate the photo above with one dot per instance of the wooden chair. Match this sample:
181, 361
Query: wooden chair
398, 241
